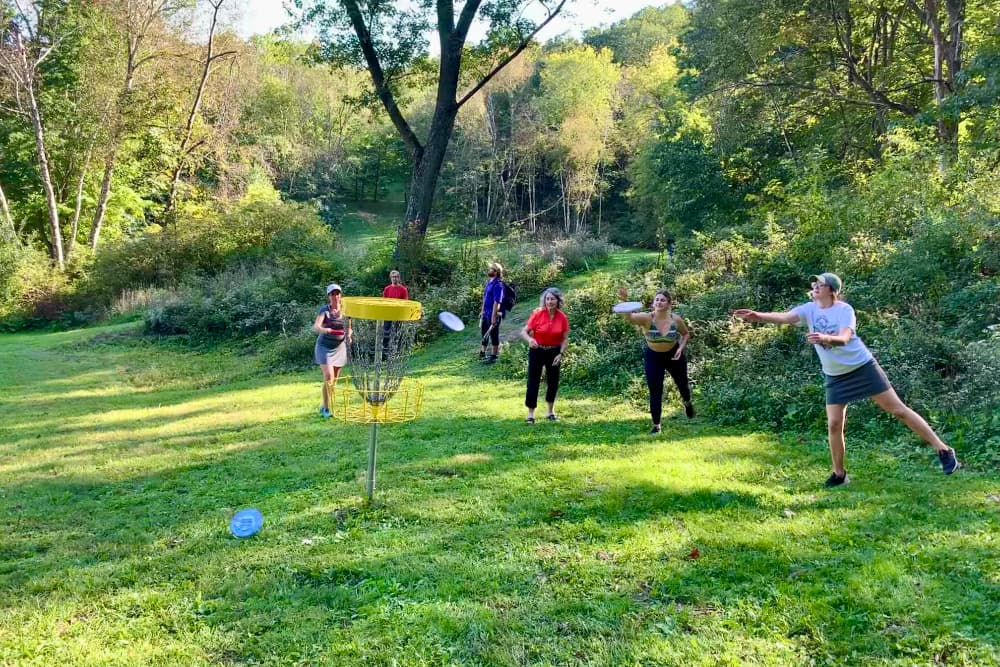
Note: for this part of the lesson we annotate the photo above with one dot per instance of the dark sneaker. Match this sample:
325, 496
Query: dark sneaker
689, 410
492, 359
482, 354
837, 480
552, 417
949, 463
529, 420
656, 429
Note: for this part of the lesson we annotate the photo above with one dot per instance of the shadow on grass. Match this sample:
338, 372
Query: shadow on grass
495, 543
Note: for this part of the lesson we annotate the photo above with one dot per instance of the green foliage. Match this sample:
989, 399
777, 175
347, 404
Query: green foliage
257, 270
237, 302
207, 241
633, 39
29, 288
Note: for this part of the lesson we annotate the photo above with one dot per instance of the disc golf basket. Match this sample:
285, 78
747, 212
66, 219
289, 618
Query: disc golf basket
382, 333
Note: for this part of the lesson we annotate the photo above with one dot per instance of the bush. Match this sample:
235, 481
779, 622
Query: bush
288, 236
32, 291
577, 253
240, 302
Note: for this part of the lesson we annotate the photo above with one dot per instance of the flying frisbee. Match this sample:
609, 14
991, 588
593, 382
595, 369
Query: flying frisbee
626, 307
451, 320
246, 522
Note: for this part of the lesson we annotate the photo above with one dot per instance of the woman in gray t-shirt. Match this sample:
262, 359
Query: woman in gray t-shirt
852, 373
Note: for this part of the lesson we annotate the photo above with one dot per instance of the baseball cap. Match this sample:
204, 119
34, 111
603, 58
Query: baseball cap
333, 286
832, 280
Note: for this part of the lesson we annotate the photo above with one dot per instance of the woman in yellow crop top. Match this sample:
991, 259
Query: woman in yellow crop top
666, 335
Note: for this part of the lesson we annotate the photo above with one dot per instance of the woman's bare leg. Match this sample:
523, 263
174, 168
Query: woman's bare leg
836, 416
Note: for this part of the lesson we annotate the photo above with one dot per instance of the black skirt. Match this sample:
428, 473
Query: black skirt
861, 383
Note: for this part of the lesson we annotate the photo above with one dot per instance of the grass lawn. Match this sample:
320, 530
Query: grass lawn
583, 542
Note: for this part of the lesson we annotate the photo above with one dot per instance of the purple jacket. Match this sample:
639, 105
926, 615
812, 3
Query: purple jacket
493, 294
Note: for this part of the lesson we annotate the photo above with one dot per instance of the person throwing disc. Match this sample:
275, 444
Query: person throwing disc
851, 372
547, 334
666, 335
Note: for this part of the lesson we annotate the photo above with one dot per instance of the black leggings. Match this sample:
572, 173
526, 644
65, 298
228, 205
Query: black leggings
656, 364
484, 326
539, 358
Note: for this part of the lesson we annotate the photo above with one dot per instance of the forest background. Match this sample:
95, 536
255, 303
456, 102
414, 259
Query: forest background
152, 162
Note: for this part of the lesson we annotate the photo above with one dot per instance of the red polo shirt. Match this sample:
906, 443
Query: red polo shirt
395, 292
548, 331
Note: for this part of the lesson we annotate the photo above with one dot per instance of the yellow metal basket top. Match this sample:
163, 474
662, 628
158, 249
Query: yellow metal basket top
381, 308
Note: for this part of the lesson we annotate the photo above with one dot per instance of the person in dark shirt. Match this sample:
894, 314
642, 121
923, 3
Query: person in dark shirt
333, 332
491, 314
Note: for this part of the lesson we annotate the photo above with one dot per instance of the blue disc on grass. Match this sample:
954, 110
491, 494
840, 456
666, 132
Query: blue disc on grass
246, 522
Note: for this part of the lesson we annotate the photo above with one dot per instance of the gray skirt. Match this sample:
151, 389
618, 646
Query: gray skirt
330, 356
861, 383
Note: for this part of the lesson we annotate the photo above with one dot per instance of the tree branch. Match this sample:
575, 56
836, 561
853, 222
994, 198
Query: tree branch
378, 78
514, 54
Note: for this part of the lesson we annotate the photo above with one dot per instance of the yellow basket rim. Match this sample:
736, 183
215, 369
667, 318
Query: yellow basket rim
381, 308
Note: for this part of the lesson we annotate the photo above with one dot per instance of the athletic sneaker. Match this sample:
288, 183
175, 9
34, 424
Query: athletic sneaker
324, 413
492, 359
949, 463
482, 354
837, 480
656, 429
689, 410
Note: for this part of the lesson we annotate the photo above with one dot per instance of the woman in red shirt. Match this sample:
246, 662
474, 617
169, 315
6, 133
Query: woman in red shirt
546, 333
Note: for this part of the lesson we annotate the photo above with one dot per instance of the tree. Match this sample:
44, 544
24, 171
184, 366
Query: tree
136, 26
389, 41
847, 68
577, 100
631, 40
188, 144
27, 38
8, 232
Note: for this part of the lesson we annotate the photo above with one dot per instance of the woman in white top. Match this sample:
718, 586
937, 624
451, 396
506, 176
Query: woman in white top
852, 373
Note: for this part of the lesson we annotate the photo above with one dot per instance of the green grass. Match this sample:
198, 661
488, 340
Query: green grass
491, 542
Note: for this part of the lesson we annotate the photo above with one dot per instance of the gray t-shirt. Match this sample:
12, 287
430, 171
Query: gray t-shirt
836, 359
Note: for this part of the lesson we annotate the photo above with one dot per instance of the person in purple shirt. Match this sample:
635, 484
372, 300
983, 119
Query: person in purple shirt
492, 313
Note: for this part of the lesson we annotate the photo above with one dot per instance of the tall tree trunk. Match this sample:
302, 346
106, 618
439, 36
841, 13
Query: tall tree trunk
7, 219
427, 167
35, 114
102, 199
78, 204
427, 159
948, 41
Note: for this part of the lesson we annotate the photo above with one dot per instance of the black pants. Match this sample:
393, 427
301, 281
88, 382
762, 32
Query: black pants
539, 358
484, 326
390, 330
656, 364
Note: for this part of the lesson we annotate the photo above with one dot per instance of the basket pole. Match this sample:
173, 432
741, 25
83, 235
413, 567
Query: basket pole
372, 445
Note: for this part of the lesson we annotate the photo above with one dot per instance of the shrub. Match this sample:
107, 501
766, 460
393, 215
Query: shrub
32, 291
288, 236
240, 302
